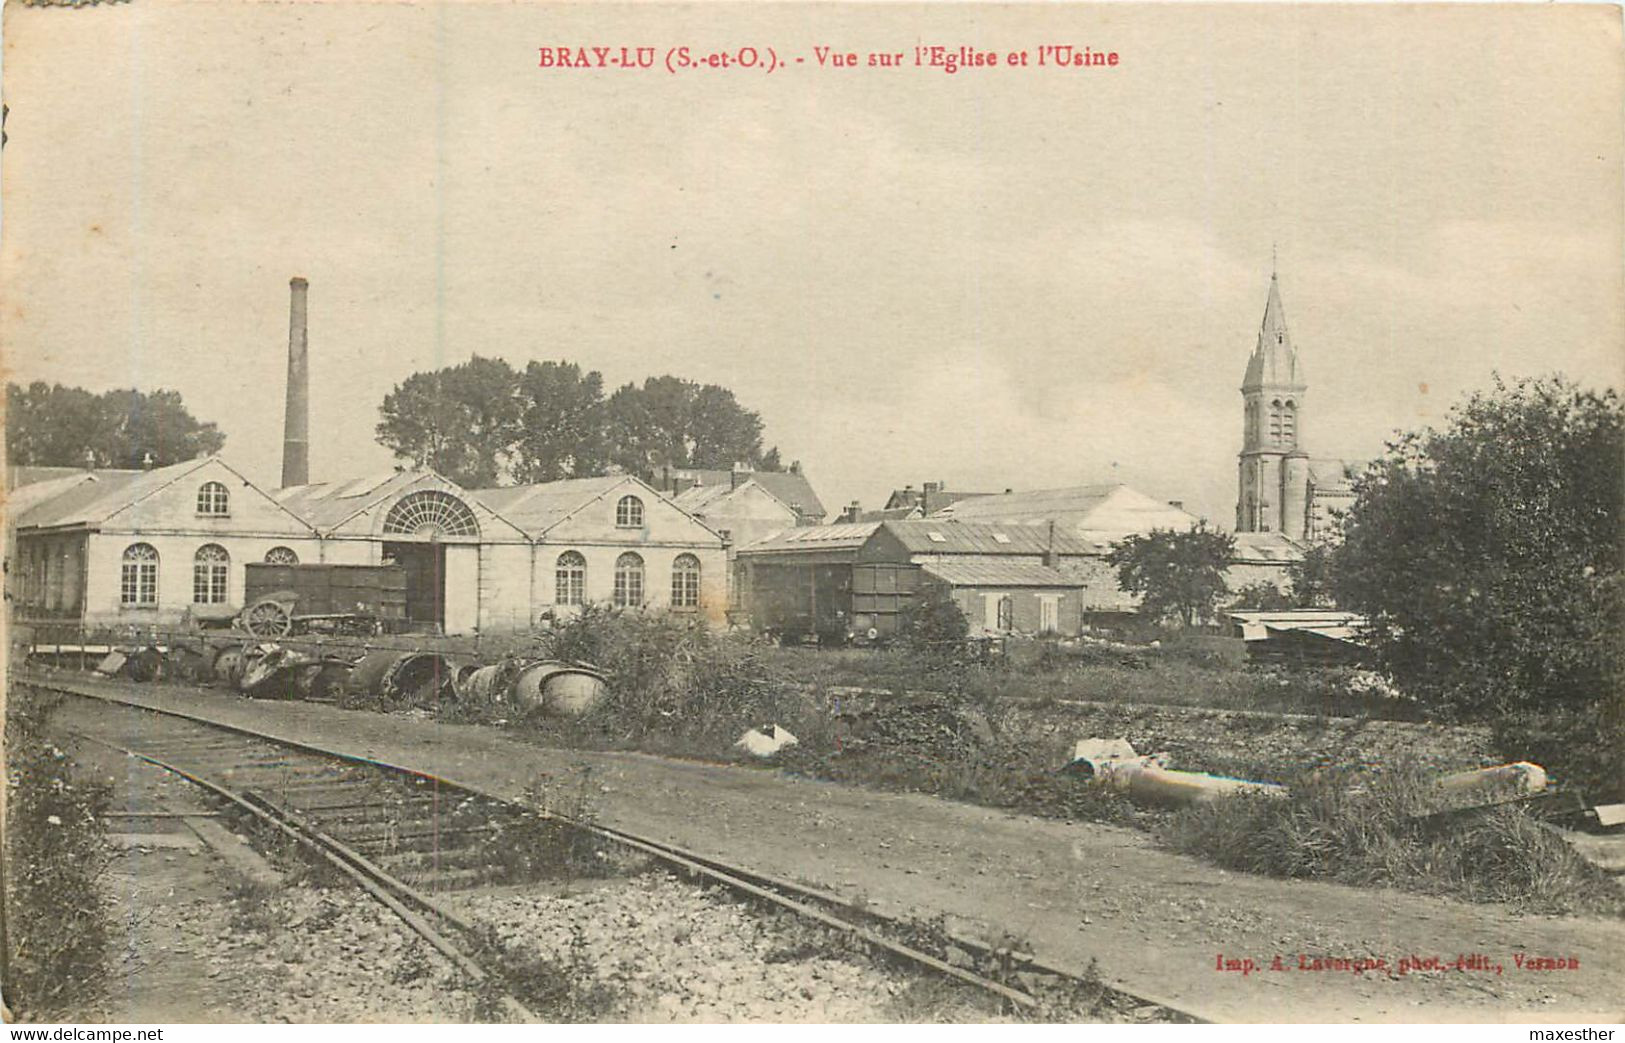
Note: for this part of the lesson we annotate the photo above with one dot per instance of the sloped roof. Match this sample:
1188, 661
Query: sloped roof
1098, 512
1266, 547
1328, 623
696, 498
1331, 475
27, 474
891, 514
326, 505
997, 574
945, 536
93, 503
929, 500
537, 508
24, 498
791, 487
839, 536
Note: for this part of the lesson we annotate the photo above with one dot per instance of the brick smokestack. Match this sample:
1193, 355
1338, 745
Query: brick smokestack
296, 417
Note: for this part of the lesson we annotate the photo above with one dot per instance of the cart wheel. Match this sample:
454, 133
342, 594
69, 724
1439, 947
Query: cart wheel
267, 619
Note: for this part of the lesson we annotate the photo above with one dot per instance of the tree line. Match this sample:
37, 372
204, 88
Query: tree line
53, 425
483, 423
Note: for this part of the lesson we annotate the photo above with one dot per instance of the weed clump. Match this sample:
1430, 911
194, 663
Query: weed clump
1373, 831
56, 853
672, 677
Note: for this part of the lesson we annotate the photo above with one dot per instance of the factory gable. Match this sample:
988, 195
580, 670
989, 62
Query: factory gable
205, 495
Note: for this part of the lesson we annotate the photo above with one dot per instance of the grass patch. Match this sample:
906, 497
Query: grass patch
1195, 670
1369, 834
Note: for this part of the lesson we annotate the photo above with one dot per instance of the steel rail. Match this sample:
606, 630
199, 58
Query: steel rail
374, 881
793, 897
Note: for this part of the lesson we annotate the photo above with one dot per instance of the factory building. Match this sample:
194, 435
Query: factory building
171, 545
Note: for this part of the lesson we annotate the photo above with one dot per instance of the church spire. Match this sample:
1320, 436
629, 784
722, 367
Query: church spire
1274, 362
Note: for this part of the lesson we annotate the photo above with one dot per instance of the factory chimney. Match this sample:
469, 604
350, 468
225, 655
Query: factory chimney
296, 416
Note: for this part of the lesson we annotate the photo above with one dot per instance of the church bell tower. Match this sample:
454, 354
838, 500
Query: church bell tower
1274, 470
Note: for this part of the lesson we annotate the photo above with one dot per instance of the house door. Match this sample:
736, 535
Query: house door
425, 565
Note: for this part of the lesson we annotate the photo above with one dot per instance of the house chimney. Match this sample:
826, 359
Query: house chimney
853, 512
296, 414
738, 476
932, 488
795, 466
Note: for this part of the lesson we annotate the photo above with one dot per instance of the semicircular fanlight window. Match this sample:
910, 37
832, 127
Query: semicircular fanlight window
431, 513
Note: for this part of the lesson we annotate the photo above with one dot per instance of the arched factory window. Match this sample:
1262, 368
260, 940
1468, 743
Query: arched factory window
138, 577
629, 513
212, 498
628, 581
211, 567
570, 579
281, 556
685, 582
431, 513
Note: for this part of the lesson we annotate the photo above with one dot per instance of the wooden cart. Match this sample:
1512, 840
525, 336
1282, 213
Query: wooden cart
283, 600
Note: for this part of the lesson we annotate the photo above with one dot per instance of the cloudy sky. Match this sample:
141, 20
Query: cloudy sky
1008, 277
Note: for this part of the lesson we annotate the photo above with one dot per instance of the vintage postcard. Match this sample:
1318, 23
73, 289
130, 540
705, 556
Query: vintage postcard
813, 512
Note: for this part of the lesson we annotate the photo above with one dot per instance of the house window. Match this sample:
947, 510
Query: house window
1007, 613
685, 582
629, 513
628, 580
281, 556
570, 579
210, 567
212, 498
138, 578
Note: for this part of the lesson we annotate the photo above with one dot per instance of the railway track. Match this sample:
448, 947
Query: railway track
410, 839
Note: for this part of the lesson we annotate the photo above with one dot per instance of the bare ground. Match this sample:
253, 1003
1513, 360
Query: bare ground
1157, 922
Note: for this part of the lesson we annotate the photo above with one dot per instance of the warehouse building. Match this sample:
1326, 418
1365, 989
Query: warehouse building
853, 581
171, 545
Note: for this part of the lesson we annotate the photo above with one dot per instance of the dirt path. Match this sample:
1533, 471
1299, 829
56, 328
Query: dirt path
1157, 922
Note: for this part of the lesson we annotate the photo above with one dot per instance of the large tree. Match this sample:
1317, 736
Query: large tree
1177, 574
562, 433
1311, 577
56, 425
678, 423
483, 424
462, 421
1487, 555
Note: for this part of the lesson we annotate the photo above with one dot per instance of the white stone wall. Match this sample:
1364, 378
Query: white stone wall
657, 574
105, 555
505, 603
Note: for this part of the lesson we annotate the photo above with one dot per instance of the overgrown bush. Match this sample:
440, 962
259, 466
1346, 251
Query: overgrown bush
933, 625
1582, 746
1368, 830
56, 853
668, 674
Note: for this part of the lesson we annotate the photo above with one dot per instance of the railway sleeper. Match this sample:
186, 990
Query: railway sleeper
369, 827
419, 840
